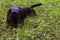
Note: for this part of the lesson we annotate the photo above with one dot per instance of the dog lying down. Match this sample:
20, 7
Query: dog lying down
17, 14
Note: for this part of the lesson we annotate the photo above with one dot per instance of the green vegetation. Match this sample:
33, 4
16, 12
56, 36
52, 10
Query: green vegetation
44, 26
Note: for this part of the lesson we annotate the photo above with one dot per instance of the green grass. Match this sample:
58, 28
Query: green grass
44, 26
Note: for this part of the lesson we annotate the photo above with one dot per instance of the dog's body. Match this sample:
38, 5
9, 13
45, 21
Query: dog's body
17, 14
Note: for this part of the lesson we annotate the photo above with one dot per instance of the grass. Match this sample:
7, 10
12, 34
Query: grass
44, 26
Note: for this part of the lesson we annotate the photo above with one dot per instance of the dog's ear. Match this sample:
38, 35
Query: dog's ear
19, 7
19, 10
9, 11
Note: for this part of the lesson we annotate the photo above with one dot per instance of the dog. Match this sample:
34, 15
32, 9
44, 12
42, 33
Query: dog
17, 14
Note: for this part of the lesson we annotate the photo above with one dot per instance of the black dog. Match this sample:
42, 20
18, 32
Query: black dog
17, 14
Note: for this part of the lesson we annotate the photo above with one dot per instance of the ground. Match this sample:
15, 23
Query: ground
44, 26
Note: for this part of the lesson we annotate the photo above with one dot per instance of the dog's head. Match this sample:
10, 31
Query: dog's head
14, 9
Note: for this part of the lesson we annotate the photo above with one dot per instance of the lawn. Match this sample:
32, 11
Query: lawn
44, 26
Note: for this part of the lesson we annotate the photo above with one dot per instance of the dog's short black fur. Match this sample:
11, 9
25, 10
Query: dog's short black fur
17, 14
